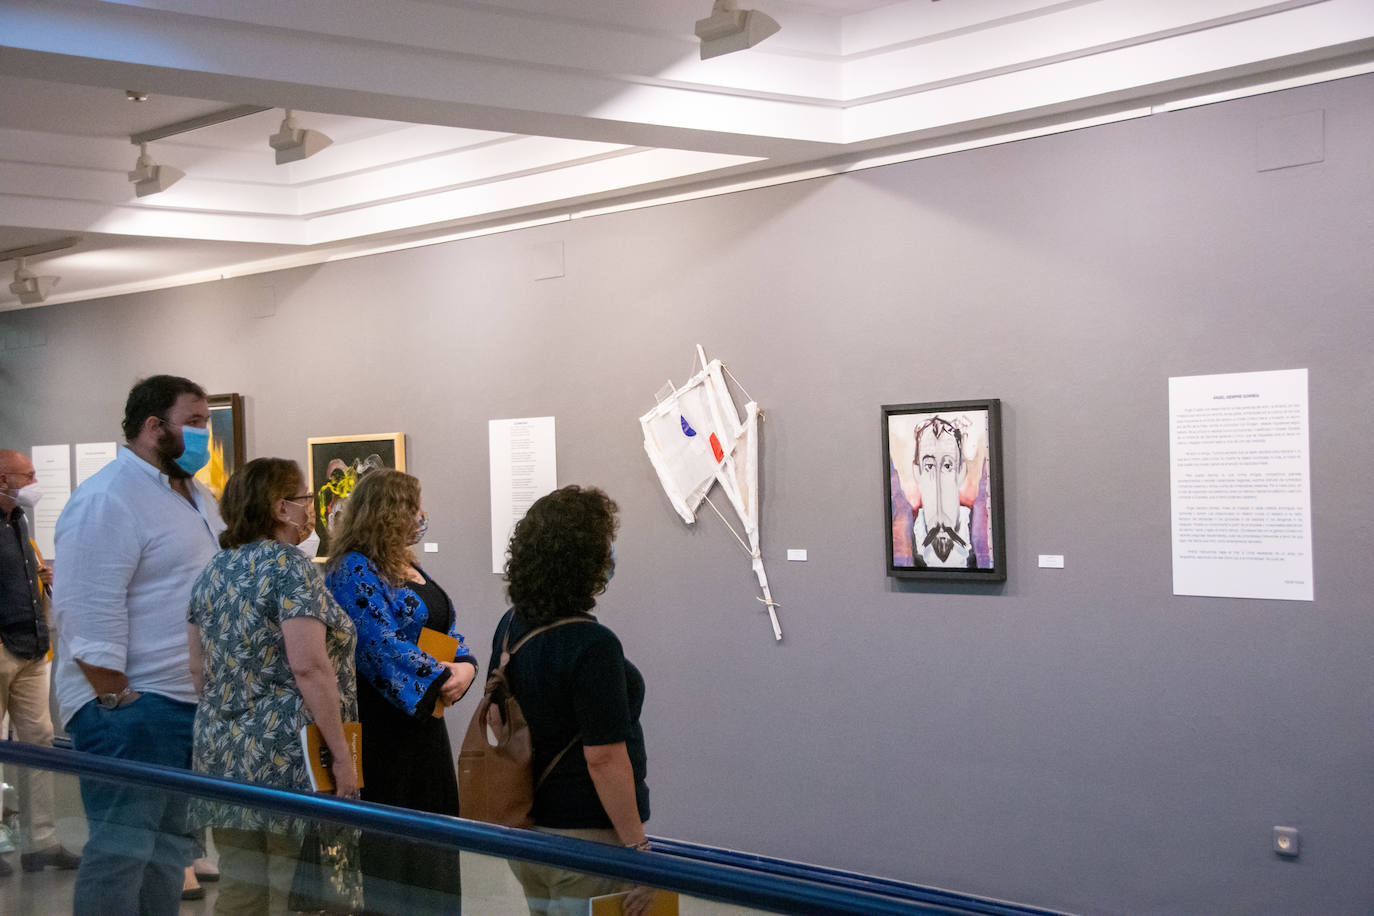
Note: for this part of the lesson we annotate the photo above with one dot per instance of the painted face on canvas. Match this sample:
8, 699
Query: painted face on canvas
939, 472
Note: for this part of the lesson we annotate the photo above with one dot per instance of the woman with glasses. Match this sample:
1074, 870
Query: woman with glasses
271, 652
402, 689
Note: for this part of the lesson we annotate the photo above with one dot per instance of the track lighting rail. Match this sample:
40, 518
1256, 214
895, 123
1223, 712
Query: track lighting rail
190, 124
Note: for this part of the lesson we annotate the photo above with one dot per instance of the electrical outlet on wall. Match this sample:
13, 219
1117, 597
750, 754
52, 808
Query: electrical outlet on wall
1286, 842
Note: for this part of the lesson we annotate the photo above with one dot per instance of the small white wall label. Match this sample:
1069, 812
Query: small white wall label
1051, 561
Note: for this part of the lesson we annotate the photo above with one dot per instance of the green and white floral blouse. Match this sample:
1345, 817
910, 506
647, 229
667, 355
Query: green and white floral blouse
251, 712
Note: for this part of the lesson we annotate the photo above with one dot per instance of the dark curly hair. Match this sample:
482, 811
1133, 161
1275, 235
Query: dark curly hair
560, 554
153, 397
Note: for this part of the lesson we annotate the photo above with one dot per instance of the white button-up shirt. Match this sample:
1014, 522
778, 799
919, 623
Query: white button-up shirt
128, 549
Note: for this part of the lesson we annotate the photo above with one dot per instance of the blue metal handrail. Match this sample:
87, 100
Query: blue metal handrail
754, 881
853, 880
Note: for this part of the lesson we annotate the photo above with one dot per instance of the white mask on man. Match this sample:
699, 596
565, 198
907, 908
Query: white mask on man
28, 495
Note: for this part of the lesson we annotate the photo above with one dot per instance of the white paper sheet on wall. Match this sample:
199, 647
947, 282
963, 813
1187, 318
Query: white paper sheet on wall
91, 457
54, 466
1239, 485
524, 466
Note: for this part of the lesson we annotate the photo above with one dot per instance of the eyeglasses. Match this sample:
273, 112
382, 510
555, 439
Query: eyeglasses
296, 499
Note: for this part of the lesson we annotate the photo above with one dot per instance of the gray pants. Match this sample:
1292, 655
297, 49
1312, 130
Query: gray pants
553, 891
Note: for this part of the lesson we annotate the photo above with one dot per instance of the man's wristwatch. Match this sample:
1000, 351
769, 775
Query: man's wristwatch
116, 700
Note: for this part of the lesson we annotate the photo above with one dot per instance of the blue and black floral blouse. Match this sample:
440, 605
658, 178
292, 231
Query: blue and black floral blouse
389, 619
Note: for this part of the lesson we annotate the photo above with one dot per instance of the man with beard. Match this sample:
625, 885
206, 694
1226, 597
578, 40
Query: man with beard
129, 544
940, 531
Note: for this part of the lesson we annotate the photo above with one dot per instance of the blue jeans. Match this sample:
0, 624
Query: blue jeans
138, 849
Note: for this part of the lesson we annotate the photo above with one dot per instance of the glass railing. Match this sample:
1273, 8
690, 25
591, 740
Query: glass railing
497, 867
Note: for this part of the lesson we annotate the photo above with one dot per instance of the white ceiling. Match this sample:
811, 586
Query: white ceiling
451, 117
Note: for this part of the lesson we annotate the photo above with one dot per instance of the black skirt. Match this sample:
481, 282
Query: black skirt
407, 762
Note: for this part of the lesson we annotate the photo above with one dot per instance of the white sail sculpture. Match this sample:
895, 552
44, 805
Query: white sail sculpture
695, 440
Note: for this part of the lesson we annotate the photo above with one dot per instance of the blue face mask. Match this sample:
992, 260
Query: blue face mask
196, 453
610, 573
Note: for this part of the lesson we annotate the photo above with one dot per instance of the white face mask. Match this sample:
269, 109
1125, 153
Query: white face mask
28, 495
305, 529
310, 546
421, 529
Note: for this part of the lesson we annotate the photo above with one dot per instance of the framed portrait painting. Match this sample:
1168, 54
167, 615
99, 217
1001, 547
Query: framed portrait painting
337, 463
942, 473
226, 441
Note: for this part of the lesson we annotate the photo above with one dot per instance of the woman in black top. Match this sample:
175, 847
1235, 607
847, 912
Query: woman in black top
575, 688
407, 760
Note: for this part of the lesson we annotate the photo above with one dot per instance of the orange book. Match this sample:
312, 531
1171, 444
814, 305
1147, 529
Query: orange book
440, 646
318, 758
665, 904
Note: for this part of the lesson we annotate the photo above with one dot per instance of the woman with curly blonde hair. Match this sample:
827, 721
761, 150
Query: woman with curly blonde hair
407, 759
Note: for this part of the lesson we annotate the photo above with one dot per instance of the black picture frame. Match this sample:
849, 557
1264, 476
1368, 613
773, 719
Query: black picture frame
351, 457
968, 544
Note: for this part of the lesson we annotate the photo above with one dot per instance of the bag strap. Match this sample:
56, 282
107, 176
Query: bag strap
554, 762
507, 650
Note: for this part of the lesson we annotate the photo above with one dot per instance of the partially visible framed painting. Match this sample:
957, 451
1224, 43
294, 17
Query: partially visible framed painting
226, 441
942, 472
336, 465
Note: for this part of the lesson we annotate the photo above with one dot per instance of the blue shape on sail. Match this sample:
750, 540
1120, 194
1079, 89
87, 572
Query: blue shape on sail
687, 428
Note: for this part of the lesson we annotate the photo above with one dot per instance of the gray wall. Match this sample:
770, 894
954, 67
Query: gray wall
1077, 738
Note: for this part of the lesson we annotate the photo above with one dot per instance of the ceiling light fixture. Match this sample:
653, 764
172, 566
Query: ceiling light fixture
150, 178
293, 143
729, 29
31, 289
